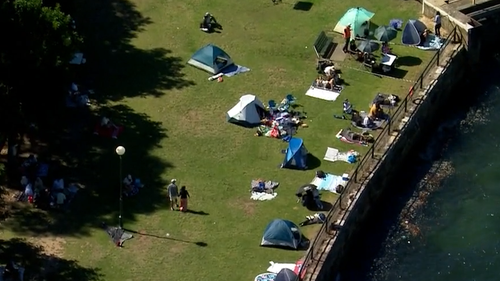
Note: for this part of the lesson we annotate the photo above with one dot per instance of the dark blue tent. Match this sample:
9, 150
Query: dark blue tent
286, 274
295, 155
412, 32
281, 233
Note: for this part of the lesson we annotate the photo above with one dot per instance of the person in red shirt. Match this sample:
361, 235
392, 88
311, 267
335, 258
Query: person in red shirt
347, 38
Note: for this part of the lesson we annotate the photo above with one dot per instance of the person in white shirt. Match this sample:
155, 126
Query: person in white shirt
329, 70
368, 122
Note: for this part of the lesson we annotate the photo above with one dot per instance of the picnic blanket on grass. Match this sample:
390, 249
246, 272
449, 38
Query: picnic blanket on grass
333, 155
265, 277
329, 183
277, 267
263, 196
432, 43
234, 70
323, 94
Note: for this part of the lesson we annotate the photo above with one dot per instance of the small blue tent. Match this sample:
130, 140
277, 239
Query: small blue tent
281, 233
295, 155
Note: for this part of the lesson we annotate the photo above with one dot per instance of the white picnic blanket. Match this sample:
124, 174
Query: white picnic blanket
322, 94
333, 154
277, 267
263, 196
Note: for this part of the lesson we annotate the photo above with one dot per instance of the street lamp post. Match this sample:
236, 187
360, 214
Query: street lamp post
120, 150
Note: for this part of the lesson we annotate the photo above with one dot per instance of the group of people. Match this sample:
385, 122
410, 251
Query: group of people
43, 197
331, 81
174, 194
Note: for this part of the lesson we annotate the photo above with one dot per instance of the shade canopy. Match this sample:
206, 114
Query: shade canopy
367, 46
359, 19
385, 33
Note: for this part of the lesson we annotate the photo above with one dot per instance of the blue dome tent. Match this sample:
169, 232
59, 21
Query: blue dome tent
211, 59
295, 155
281, 233
412, 31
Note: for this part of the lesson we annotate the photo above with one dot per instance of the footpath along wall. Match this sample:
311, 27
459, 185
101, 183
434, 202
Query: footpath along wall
373, 177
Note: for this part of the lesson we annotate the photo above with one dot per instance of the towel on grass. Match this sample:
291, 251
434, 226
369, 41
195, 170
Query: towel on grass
432, 43
329, 183
263, 196
327, 95
265, 277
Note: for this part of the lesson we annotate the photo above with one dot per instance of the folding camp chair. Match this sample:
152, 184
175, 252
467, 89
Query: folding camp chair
271, 104
291, 99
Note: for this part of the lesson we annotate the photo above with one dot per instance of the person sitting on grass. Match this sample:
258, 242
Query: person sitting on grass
327, 84
107, 125
386, 49
60, 199
376, 112
131, 186
209, 23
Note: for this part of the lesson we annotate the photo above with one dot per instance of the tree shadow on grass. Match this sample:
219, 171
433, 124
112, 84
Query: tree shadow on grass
41, 266
91, 161
118, 68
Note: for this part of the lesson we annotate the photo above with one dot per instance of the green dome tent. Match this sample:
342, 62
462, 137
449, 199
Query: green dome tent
211, 59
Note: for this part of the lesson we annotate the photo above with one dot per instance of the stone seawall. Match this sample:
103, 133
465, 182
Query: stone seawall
436, 95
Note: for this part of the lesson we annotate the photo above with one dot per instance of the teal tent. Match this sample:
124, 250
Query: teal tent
211, 59
359, 19
281, 233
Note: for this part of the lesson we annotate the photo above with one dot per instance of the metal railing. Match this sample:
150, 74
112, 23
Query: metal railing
361, 174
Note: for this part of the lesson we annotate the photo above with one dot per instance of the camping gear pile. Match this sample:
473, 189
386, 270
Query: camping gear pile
276, 121
309, 197
263, 190
282, 121
317, 218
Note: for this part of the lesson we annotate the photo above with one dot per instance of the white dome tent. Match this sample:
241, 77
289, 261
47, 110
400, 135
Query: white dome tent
248, 112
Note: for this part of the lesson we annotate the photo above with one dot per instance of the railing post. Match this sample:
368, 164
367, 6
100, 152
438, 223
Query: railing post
373, 149
438, 55
421, 78
406, 103
389, 125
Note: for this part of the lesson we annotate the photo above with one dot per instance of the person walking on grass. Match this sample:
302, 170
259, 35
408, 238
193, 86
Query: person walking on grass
184, 195
173, 193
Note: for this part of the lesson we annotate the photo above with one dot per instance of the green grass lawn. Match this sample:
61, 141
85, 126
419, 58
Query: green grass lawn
175, 127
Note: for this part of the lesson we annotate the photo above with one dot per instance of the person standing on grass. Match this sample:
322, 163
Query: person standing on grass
173, 193
184, 195
437, 22
347, 38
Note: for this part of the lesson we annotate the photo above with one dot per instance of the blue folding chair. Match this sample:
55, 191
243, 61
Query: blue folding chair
271, 104
291, 99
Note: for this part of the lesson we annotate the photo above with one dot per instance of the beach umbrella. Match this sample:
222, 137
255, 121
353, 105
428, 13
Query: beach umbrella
385, 33
367, 46
357, 18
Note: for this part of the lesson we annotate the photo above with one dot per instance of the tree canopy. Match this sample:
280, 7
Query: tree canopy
36, 39
37, 42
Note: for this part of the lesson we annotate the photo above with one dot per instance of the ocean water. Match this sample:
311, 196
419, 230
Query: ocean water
444, 225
